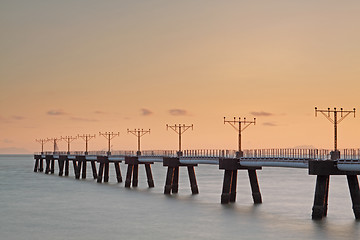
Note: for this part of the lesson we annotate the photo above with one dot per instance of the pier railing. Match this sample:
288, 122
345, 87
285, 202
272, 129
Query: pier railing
285, 153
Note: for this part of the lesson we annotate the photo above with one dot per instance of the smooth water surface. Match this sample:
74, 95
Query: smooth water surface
39, 206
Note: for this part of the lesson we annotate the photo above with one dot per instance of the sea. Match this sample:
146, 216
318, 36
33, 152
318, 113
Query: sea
40, 206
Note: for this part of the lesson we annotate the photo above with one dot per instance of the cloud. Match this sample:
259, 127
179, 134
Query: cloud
261, 114
178, 112
18, 117
145, 112
83, 119
55, 112
99, 112
7, 141
269, 124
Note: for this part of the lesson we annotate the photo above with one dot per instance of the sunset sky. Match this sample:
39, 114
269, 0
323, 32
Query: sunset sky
74, 67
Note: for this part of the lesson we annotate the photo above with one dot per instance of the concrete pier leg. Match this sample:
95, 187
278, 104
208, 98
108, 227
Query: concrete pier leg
355, 194
175, 181
169, 180
47, 167
101, 171
106, 172
36, 165
192, 177
319, 198
84, 164
41, 169
149, 175
225, 196
128, 175
52, 167
135, 175
254, 186
233, 186
61, 167
326, 196
118, 172
93, 166
78, 169
66, 167
75, 167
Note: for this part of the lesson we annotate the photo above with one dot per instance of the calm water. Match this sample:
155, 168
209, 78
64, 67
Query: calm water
39, 206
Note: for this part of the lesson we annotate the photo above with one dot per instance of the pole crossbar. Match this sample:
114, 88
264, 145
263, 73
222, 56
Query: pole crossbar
86, 138
239, 128
109, 136
138, 133
335, 120
68, 140
180, 129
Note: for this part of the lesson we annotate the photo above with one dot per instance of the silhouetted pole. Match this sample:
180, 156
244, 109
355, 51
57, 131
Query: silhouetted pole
68, 140
86, 138
109, 136
180, 129
42, 142
239, 129
54, 140
335, 121
138, 133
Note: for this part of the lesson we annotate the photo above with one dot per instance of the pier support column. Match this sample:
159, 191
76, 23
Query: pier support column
354, 193
225, 196
93, 166
103, 168
52, 167
61, 162
318, 210
192, 178
172, 176
78, 169
83, 175
233, 186
41, 169
149, 176
169, 180
118, 172
135, 175
67, 167
75, 165
231, 167
254, 186
47, 162
129, 175
132, 174
36, 164
101, 171
175, 180
106, 172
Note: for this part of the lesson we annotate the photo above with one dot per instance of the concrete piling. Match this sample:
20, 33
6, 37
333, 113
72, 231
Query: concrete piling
354, 193
118, 172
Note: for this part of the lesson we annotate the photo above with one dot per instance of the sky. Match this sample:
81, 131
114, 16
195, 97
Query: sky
86, 66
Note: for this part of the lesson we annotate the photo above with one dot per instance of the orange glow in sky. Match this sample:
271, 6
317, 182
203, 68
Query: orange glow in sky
75, 67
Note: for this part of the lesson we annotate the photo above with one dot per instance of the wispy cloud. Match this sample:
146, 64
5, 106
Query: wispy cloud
261, 114
269, 124
83, 119
55, 112
99, 112
145, 112
178, 112
18, 117
6, 141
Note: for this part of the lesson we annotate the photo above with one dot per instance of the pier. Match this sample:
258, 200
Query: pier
319, 162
